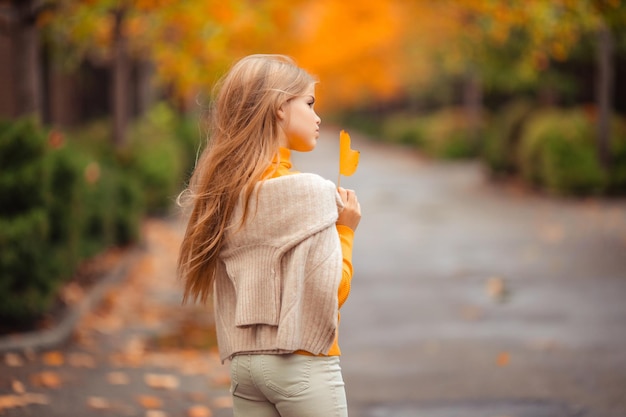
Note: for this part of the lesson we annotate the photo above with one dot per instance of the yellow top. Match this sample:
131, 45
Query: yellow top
282, 166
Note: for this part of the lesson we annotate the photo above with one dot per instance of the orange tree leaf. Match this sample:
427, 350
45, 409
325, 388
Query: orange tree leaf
348, 158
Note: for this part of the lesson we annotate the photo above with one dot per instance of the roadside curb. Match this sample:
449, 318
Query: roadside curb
48, 338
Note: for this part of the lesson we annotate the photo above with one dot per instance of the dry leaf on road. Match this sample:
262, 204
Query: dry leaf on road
223, 402
156, 413
13, 360
161, 381
46, 379
98, 403
503, 359
54, 358
199, 411
149, 401
496, 288
18, 387
81, 360
118, 378
12, 401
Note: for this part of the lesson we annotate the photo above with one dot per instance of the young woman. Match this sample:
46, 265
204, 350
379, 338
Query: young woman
273, 246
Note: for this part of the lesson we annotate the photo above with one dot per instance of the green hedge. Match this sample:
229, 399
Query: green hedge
503, 135
443, 134
156, 157
558, 152
63, 199
28, 272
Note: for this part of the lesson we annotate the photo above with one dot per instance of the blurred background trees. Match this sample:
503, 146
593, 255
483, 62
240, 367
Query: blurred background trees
105, 96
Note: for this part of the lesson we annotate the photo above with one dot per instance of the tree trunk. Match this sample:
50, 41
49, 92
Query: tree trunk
604, 92
473, 102
120, 80
27, 65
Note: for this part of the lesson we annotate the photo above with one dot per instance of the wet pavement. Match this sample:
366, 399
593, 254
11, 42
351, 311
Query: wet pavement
475, 299
469, 299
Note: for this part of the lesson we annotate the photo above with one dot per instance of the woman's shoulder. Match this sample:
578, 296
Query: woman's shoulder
301, 179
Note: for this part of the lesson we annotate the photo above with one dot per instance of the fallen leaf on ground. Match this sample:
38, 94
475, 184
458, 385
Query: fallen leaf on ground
149, 401
98, 403
545, 345
223, 402
46, 379
503, 359
18, 387
54, 358
220, 379
81, 360
72, 293
496, 288
12, 401
13, 360
199, 411
551, 233
472, 313
118, 378
156, 413
161, 381
197, 397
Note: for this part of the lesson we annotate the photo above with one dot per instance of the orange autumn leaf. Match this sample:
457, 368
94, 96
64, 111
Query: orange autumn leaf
348, 158
54, 358
149, 401
199, 411
46, 379
98, 403
503, 359
161, 381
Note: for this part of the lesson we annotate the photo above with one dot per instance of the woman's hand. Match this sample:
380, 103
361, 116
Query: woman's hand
351, 214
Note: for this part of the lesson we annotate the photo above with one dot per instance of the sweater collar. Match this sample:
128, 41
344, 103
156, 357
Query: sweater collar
281, 164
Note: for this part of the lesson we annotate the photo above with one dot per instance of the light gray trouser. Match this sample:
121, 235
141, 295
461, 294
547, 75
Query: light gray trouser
287, 386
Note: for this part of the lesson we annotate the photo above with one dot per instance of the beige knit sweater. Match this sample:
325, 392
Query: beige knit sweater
276, 287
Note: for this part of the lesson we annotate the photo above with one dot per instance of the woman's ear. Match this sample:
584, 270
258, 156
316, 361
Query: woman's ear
281, 113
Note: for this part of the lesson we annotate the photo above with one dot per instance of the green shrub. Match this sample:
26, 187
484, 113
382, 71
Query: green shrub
111, 207
405, 129
22, 149
192, 138
366, 122
503, 135
444, 134
558, 153
157, 158
61, 202
448, 135
27, 272
617, 182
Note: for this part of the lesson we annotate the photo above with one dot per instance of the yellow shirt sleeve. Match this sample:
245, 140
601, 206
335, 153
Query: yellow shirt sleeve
346, 237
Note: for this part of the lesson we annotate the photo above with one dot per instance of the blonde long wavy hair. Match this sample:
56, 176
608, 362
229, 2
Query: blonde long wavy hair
244, 134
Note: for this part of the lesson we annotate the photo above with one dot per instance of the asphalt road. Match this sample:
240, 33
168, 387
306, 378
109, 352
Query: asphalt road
475, 299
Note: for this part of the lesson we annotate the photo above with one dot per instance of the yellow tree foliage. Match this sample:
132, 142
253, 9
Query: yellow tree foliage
354, 47
190, 42
361, 50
